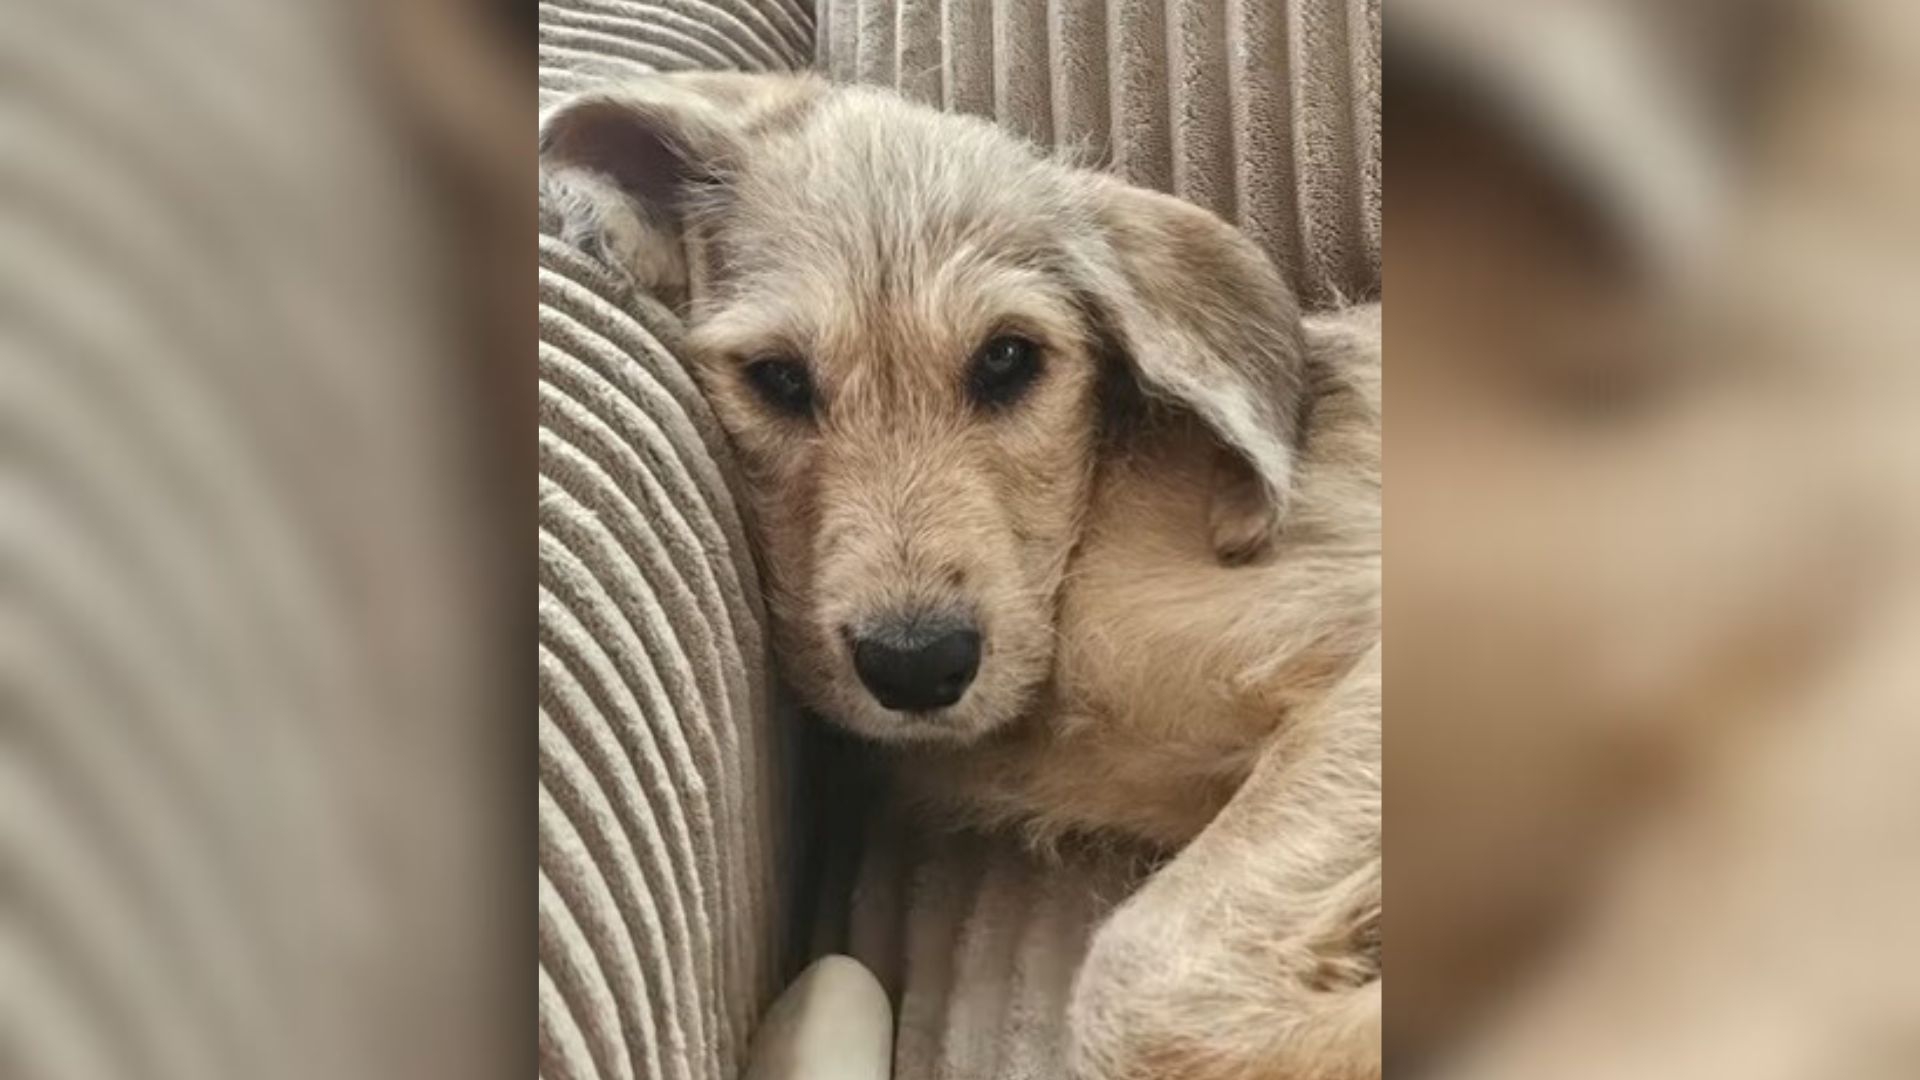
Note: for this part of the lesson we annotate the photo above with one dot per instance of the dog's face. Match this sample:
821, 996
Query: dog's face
913, 330
912, 392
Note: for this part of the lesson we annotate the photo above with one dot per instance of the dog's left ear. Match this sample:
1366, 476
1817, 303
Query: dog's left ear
636, 162
1203, 320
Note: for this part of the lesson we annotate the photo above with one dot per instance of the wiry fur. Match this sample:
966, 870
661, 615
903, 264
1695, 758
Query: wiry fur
1170, 544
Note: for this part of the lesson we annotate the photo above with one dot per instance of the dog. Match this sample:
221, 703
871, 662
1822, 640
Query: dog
1058, 497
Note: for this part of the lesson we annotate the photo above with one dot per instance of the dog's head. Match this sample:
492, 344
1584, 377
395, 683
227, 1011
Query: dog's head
919, 335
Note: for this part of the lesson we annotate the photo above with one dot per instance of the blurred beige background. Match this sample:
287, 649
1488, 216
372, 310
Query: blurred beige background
264, 767
1651, 539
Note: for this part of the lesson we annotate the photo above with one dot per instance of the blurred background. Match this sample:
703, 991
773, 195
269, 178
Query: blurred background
266, 504
265, 400
1650, 549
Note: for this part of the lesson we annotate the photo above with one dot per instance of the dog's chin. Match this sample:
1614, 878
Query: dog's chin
957, 725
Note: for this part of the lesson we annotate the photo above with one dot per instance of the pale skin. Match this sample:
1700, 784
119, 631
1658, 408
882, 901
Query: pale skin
1165, 532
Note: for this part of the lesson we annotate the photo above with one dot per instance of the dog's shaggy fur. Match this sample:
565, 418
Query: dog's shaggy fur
1169, 541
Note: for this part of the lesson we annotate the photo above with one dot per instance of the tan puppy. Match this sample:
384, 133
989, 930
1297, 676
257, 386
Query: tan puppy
1055, 494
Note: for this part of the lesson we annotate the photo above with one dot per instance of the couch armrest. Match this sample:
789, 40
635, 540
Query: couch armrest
664, 783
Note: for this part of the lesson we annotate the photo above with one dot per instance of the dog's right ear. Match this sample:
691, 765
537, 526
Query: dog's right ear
633, 167
1202, 320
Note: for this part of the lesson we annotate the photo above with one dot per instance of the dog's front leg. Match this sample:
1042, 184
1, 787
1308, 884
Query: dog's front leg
1255, 953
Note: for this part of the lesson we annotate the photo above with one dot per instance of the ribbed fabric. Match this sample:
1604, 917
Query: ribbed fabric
584, 42
1265, 111
208, 595
662, 816
977, 941
665, 840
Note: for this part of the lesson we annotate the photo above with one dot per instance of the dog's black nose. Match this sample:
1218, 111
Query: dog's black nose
917, 665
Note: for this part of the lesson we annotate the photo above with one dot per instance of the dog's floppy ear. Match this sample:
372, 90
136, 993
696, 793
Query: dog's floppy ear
1203, 320
632, 165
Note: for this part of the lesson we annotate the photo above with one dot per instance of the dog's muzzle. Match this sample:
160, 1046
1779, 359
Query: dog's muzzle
917, 663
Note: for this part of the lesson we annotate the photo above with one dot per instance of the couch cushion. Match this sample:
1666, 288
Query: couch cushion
584, 42
1265, 111
663, 813
977, 941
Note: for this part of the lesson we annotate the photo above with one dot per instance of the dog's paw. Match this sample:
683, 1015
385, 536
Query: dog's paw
1159, 998
1129, 1017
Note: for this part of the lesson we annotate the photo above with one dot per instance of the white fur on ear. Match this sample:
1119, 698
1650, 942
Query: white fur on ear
615, 163
1206, 322
626, 164
599, 219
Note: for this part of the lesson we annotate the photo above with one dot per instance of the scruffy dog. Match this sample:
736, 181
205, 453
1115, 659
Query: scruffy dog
1057, 496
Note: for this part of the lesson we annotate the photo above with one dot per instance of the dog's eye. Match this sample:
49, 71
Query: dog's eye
784, 384
1002, 370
